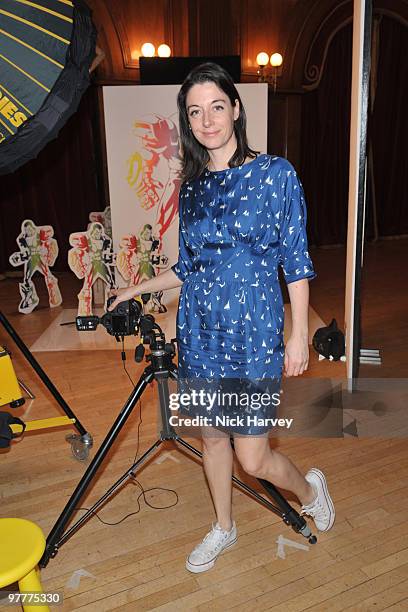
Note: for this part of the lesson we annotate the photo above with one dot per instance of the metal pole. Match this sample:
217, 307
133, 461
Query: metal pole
38, 369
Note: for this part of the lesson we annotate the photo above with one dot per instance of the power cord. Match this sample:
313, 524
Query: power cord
123, 357
143, 490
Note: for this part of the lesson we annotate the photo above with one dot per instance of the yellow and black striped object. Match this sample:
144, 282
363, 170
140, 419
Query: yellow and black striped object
46, 50
34, 39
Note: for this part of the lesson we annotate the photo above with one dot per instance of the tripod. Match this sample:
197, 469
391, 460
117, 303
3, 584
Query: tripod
160, 369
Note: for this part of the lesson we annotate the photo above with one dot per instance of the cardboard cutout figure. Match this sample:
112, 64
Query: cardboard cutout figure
104, 218
139, 258
38, 251
91, 258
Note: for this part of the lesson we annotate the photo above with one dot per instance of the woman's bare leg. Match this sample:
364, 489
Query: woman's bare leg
217, 460
259, 460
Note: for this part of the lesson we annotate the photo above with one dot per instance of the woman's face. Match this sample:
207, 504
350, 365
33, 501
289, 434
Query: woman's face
211, 115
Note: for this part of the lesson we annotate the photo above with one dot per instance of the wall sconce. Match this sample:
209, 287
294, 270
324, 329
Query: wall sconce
164, 51
262, 59
149, 50
276, 63
276, 60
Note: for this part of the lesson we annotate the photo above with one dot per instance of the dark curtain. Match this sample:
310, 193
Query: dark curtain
59, 188
325, 145
214, 27
388, 130
325, 140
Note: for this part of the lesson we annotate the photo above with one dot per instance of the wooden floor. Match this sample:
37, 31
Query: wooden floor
361, 564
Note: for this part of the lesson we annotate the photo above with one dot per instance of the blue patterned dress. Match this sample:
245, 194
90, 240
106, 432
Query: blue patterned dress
236, 226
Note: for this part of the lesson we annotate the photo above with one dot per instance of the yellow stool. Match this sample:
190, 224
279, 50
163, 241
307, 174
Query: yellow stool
22, 545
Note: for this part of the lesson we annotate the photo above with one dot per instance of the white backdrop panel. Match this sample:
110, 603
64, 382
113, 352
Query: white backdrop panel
141, 126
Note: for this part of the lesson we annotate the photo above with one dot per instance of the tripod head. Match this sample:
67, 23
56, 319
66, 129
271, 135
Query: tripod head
128, 319
152, 334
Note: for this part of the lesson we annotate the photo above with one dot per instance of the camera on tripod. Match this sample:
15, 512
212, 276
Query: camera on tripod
128, 319
124, 320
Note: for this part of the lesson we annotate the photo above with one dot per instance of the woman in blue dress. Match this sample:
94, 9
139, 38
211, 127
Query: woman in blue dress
241, 216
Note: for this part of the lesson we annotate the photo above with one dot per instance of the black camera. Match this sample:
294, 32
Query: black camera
124, 320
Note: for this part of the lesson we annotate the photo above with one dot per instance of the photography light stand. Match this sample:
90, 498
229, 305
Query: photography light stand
160, 369
80, 442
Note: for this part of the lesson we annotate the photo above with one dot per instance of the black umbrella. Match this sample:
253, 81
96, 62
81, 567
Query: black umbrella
46, 50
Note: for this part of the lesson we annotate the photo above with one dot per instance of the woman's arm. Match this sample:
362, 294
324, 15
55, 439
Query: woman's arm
297, 268
297, 347
161, 282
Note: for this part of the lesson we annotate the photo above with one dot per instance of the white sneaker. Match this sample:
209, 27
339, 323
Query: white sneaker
203, 557
322, 508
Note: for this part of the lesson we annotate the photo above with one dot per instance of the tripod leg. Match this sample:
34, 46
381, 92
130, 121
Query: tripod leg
128, 474
290, 515
167, 432
57, 531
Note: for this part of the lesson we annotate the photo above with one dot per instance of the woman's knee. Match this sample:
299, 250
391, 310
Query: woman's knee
253, 465
254, 458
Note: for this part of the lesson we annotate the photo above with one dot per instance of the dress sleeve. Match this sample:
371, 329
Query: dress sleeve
185, 259
293, 247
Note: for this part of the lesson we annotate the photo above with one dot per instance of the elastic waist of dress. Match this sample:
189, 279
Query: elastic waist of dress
220, 277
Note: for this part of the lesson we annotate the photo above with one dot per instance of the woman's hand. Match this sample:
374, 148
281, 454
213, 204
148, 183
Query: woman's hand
124, 294
296, 356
